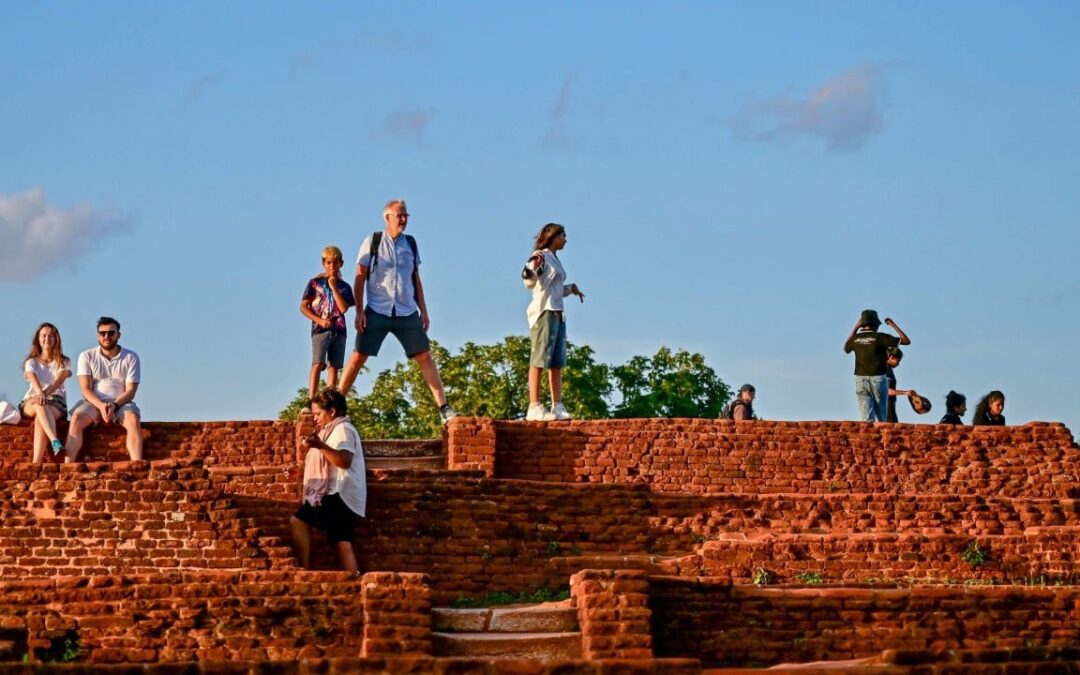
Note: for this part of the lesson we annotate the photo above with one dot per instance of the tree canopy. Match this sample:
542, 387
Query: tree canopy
492, 381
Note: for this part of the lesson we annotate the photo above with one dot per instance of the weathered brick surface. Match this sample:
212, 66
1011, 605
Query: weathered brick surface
683, 455
189, 616
397, 614
725, 624
127, 517
613, 613
216, 443
470, 444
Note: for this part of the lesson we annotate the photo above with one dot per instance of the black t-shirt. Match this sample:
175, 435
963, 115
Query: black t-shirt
872, 351
951, 418
988, 420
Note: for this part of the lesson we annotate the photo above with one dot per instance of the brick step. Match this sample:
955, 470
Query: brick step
536, 646
549, 617
1049, 555
653, 564
382, 447
431, 462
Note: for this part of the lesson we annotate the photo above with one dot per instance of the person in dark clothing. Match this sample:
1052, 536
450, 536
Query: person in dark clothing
871, 353
895, 356
742, 408
955, 407
988, 410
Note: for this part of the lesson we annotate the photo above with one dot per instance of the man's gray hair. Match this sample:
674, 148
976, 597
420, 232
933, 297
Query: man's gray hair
391, 204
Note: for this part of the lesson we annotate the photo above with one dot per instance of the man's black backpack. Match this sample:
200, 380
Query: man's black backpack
376, 239
729, 409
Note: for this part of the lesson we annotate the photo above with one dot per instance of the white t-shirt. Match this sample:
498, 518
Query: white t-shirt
350, 483
46, 375
548, 288
109, 377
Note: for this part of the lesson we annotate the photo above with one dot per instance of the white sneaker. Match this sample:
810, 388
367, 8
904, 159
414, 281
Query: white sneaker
538, 412
558, 412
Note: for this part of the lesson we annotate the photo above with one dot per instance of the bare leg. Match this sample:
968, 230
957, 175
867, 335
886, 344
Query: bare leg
40, 442
331, 377
352, 369
76, 429
348, 558
301, 537
534, 384
431, 375
134, 436
555, 382
313, 379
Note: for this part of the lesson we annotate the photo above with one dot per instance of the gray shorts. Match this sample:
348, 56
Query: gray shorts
328, 347
548, 337
408, 330
84, 408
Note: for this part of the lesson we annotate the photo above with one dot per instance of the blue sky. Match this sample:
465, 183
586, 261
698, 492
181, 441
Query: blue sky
736, 179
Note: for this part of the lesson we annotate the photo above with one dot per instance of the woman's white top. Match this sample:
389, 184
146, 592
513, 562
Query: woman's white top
548, 288
47, 373
350, 483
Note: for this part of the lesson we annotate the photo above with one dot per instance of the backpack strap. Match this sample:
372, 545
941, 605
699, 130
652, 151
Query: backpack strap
415, 256
373, 251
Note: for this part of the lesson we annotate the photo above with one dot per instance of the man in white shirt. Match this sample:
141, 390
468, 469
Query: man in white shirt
108, 377
395, 303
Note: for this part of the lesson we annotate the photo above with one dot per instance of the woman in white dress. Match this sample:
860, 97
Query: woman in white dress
46, 368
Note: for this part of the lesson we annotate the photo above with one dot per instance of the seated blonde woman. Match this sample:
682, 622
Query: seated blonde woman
45, 402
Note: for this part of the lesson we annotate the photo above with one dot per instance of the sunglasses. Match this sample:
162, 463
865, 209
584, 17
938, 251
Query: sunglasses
108, 333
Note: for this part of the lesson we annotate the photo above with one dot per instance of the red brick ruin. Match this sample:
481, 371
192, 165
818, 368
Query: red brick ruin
680, 546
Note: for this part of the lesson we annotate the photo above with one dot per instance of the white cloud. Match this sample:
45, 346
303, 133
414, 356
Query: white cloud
36, 237
845, 112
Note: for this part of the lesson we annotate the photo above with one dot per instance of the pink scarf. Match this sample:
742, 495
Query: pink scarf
319, 473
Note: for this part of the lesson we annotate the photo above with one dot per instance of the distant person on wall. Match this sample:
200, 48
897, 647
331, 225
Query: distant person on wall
388, 271
326, 299
109, 376
955, 407
871, 355
988, 410
742, 408
895, 356
46, 368
334, 493
545, 277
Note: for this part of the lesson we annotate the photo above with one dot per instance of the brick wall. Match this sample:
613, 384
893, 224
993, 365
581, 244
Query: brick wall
207, 616
1037, 459
217, 443
129, 517
397, 614
613, 612
722, 624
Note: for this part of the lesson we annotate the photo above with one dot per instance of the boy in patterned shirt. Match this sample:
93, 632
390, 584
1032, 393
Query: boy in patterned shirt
326, 299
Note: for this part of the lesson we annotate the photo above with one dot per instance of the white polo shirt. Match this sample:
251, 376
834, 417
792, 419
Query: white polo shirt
389, 288
350, 483
109, 377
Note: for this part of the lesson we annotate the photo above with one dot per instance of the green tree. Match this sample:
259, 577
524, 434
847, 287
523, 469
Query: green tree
492, 381
669, 384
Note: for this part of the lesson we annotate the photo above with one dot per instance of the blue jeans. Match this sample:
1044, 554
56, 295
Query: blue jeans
872, 393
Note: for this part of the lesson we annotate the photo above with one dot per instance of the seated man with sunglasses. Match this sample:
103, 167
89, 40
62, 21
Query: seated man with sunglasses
109, 377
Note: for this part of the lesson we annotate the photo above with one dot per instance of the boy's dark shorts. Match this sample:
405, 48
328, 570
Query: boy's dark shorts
408, 330
328, 347
331, 516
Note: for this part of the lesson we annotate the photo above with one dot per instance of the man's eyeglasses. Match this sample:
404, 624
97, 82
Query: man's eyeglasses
108, 333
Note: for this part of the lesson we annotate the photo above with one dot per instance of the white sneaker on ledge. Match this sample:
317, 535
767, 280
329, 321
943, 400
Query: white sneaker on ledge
558, 412
538, 412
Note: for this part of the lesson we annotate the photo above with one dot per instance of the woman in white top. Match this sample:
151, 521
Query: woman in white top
545, 277
334, 493
45, 368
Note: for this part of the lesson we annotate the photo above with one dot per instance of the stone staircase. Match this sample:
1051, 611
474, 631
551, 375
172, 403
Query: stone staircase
545, 632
